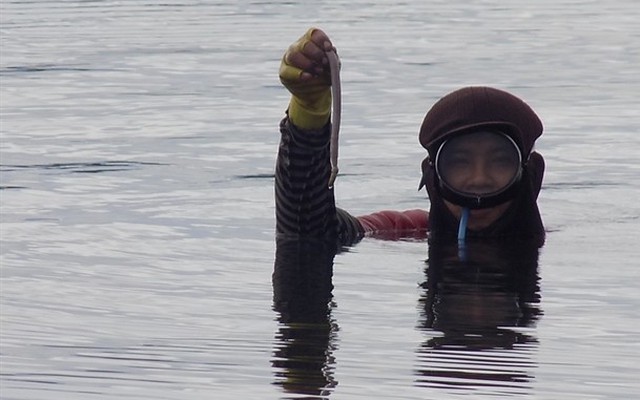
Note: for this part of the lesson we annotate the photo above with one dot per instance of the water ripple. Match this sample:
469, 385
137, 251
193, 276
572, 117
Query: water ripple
81, 167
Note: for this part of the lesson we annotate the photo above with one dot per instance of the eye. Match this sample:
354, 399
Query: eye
457, 158
503, 160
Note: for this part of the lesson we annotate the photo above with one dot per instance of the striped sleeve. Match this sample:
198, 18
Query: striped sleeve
305, 206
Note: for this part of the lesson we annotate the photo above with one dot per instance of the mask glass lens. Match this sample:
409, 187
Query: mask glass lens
478, 164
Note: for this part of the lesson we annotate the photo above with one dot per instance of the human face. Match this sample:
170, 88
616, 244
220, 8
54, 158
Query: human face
478, 165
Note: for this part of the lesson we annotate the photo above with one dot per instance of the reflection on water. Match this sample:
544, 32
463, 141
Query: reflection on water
476, 313
306, 339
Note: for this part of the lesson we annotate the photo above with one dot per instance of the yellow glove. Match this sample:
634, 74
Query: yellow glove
305, 73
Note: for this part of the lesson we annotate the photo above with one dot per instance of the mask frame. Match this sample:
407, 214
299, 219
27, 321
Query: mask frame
478, 200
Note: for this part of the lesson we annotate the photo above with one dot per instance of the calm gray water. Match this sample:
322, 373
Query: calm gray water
138, 142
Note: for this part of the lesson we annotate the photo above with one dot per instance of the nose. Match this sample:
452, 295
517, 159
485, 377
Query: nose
479, 179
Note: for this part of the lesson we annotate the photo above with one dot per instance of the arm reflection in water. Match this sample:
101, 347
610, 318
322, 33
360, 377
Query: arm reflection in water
475, 313
303, 360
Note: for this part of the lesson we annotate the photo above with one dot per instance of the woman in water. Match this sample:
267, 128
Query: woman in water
481, 173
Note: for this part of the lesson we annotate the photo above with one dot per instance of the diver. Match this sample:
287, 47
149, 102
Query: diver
482, 177
481, 172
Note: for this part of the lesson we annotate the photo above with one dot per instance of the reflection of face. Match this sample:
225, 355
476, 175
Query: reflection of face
478, 163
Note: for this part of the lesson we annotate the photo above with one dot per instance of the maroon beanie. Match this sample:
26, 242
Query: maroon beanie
471, 108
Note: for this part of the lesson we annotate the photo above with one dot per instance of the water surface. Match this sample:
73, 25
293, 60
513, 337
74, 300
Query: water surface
137, 147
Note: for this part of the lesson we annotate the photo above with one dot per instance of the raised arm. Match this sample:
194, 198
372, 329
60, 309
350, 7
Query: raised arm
305, 204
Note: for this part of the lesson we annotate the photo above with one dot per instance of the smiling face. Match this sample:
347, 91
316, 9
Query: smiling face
478, 164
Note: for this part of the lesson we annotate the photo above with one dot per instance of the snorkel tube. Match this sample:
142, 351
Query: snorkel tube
462, 234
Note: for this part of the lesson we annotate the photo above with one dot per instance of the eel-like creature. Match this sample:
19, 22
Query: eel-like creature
334, 65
